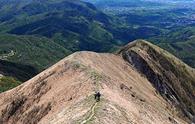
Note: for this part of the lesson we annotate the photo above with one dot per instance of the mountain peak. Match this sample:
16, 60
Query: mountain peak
143, 45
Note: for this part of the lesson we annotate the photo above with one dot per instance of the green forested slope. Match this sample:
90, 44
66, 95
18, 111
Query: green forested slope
38, 52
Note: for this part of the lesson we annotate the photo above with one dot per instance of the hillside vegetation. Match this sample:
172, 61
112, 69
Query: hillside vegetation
180, 43
18, 71
7, 83
38, 52
22, 57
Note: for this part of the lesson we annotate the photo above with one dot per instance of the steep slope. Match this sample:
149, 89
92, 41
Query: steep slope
172, 78
64, 93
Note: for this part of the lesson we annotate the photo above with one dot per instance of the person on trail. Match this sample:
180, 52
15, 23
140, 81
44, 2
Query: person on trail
97, 96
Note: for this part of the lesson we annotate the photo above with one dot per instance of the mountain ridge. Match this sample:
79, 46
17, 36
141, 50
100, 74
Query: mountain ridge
127, 94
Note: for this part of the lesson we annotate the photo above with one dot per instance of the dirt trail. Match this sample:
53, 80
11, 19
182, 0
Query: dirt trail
91, 115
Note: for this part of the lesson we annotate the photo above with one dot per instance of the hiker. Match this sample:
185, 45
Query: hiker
97, 96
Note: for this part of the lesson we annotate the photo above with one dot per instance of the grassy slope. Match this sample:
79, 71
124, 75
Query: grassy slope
183, 50
7, 83
181, 43
38, 52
